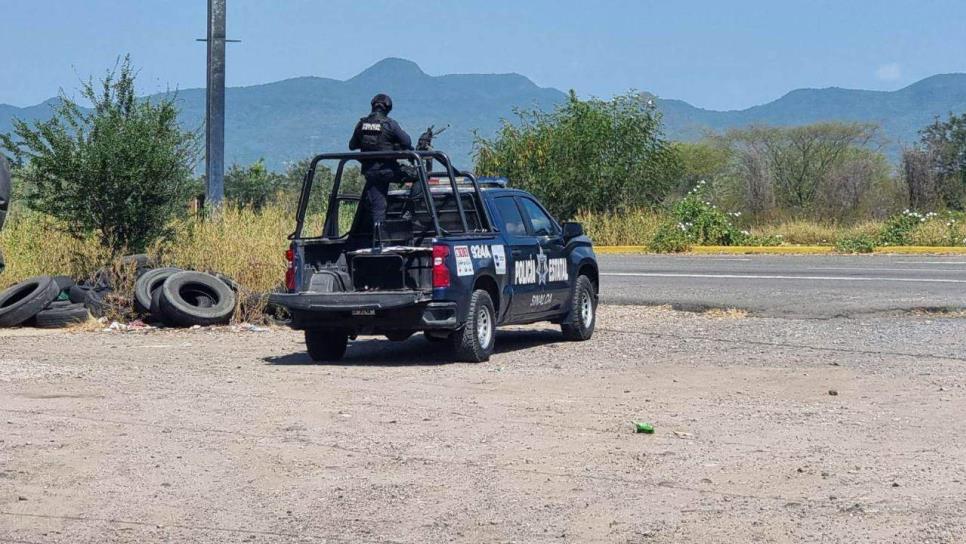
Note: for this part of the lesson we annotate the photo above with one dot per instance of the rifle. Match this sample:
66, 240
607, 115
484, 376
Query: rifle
425, 143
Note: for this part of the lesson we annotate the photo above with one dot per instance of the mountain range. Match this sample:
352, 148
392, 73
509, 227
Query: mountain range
288, 120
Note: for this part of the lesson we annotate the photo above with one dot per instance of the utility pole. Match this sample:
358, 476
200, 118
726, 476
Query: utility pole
215, 104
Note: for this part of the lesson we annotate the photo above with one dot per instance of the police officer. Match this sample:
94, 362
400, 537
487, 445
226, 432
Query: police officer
4, 196
379, 132
4, 189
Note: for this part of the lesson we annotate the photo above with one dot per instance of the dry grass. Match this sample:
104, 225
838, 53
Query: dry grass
245, 245
799, 232
625, 229
34, 244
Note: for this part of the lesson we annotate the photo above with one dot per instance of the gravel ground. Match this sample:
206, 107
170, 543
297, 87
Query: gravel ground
767, 430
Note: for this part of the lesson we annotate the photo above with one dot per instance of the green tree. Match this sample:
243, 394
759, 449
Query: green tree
253, 185
121, 169
704, 160
792, 170
945, 144
587, 155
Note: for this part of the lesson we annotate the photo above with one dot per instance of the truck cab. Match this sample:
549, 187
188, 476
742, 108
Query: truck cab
457, 257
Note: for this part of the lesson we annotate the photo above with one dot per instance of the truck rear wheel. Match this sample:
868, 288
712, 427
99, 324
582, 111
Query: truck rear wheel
474, 342
579, 324
325, 345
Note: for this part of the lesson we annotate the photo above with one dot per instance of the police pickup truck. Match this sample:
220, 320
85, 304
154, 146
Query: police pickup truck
455, 258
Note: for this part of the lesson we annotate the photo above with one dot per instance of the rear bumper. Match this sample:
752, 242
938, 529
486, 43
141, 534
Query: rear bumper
368, 312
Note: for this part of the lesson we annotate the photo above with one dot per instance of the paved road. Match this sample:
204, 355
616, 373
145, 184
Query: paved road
797, 286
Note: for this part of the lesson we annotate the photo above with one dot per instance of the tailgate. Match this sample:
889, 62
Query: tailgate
335, 302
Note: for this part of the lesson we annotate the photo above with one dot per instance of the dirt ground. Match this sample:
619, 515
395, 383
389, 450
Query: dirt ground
767, 430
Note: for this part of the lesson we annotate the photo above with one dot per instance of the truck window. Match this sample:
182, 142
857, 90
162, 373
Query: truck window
539, 220
512, 221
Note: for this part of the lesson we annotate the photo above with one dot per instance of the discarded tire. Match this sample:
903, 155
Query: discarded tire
141, 262
185, 299
26, 299
146, 284
78, 293
232, 284
56, 318
64, 282
94, 301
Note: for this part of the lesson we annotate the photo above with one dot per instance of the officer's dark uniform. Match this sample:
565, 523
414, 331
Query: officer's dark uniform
4, 189
4, 196
379, 132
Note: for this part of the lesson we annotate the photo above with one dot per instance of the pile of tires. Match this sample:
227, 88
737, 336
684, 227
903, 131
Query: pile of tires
41, 301
162, 296
184, 298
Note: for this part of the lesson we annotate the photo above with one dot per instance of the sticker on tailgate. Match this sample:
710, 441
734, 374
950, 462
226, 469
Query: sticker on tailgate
464, 263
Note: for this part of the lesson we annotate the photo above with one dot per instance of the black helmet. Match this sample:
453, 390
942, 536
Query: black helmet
382, 101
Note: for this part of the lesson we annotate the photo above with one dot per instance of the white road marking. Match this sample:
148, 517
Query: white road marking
887, 269
764, 277
934, 262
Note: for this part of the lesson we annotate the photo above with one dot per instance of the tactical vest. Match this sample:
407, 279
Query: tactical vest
376, 135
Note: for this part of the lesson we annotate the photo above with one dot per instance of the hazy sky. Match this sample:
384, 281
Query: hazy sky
719, 54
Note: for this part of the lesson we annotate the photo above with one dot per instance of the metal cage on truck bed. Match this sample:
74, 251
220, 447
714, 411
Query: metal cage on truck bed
426, 191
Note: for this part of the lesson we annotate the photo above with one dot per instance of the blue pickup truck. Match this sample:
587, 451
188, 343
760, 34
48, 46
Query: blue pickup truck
456, 257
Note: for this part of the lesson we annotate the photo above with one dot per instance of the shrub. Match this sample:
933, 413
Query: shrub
589, 155
898, 228
670, 237
703, 222
859, 244
121, 169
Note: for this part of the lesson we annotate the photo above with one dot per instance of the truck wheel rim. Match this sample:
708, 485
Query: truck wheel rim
484, 330
586, 310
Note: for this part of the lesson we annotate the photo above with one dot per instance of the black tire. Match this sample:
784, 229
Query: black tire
141, 262
78, 293
59, 304
474, 342
580, 322
155, 312
185, 297
26, 299
57, 318
147, 284
64, 282
437, 337
326, 345
232, 284
94, 301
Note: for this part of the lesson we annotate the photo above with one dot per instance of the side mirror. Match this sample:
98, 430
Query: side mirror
572, 230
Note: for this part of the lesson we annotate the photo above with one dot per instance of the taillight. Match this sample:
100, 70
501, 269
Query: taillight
290, 271
440, 270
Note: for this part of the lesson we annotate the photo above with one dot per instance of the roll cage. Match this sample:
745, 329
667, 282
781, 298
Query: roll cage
418, 159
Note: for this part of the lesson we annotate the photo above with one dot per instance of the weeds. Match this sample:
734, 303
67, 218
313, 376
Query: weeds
859, 244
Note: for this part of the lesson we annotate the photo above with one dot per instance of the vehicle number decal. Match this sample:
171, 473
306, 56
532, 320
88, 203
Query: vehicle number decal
464, 263
499, 259
480, 252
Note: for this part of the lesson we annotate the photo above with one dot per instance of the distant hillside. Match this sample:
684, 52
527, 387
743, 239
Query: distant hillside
901, 114
295, 118
291, 119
